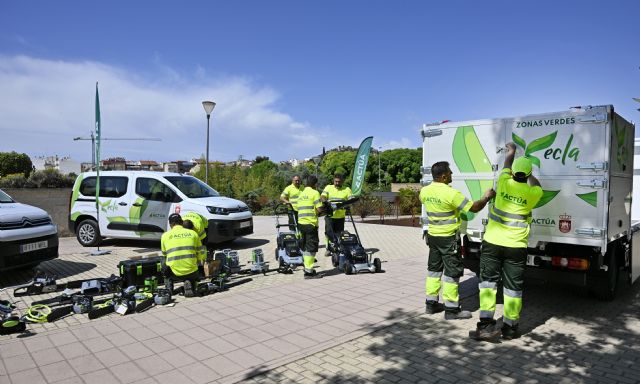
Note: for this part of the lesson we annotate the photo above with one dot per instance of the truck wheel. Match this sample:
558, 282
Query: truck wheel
88, 233
605, 286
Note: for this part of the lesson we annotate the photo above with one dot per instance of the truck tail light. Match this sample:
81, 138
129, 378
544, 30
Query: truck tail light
570, 262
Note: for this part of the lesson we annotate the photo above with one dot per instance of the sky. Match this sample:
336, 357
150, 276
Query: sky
291, 77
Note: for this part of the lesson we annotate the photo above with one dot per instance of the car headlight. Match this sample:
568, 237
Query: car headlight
217, 210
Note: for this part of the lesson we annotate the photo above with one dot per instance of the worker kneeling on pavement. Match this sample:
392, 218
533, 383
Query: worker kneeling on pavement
183, 251
443, 205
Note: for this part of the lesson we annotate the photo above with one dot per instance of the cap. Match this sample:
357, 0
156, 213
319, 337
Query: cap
174, 218
521, 165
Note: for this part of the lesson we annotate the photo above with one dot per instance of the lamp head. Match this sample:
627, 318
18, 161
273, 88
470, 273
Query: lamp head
208, 106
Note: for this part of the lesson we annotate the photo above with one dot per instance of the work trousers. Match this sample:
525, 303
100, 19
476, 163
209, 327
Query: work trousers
444, 271
293, 219
309, 247
332, 228
506, 264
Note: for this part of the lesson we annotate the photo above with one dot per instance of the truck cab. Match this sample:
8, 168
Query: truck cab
137, 204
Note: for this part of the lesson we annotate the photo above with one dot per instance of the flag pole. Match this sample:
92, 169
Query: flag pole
98, 252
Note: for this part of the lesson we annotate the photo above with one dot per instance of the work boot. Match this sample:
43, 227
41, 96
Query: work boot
433, 307
456, 314
510, 332
312, 275
485, 331
188, 289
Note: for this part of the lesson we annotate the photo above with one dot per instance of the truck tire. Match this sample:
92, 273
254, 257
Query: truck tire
604, 285
88, 233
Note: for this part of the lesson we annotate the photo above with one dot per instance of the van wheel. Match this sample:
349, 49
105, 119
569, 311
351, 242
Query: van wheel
88, 233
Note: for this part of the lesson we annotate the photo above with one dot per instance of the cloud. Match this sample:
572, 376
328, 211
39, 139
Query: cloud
44, 104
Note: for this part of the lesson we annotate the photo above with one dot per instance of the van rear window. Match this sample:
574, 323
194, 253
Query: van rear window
110, 186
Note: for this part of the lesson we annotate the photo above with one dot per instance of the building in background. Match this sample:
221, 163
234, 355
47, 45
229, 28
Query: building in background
64, 165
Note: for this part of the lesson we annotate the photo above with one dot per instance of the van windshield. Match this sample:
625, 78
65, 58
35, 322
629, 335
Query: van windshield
192, 187
4, 198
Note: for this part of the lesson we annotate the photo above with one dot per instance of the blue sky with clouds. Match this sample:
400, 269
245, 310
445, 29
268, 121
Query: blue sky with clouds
290, 77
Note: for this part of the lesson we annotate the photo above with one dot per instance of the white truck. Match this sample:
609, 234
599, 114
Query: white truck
581, 233
137, 205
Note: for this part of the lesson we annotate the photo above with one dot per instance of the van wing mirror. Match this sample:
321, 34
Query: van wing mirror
176, 198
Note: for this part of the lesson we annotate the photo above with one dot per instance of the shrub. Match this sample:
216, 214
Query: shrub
49, 178
13, 181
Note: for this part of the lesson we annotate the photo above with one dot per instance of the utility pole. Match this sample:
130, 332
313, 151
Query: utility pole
93, 143
379, 153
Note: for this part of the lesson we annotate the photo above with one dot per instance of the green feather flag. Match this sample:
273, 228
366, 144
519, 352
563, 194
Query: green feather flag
360, 166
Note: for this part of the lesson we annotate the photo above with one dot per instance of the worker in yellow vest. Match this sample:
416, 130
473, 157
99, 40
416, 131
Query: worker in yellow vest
309, 207
334, 224
504, 247
290, 196
443, 205
200, 225
183, 251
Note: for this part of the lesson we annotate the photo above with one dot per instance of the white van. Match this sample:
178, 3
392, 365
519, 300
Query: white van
28, 235
137, 204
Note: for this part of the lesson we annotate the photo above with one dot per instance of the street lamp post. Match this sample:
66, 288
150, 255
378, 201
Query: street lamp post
379, 153
208, 108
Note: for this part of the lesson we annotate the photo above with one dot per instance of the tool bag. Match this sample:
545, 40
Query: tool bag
134, 272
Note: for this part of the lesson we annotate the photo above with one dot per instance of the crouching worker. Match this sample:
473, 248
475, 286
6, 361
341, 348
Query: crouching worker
309, 206
182, 250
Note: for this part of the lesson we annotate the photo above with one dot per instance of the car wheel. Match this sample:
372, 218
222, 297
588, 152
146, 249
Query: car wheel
88, 233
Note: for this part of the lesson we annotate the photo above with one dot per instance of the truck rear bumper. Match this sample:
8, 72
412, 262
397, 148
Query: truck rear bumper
563, 276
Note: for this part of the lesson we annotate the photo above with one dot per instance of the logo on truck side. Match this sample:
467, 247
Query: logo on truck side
545, 142
564, 225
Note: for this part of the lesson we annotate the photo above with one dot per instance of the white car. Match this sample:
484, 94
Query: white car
28, 235
137, 205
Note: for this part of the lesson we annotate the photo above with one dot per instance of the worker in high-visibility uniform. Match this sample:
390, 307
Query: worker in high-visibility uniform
200, 225
443, 205
290, 196
309, 207
504, 247
334, 224
183, 251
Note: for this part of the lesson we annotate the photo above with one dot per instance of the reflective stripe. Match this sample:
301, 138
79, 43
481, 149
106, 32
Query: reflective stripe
512, 293
508, 321
180, 257
315, 202
433, 274
451, 280
488, 284
306, 215
442, 222
305, 207
432, 298
176, 249
337, 199
508, 215
486, 314
464, 202
451, 304
441, 214
517, 224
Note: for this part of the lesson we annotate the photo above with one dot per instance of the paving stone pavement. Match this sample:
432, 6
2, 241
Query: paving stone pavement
281, 328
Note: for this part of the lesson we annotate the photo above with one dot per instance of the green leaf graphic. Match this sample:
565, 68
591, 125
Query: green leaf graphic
117, 219
591, 198
547, 196
519, 141
541, 143
534, 160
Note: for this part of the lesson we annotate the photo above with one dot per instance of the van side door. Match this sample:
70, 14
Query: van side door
154, 201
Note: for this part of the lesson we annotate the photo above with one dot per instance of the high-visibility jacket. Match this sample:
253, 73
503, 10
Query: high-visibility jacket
292, 193
510, 216
335, 195
182, 249
308, 201
443, 205
200, 224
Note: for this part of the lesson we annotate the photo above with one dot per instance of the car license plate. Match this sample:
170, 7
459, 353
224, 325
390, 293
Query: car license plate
245, 224
24, 248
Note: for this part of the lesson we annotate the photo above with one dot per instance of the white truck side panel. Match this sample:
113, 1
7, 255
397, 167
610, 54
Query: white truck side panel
572, 159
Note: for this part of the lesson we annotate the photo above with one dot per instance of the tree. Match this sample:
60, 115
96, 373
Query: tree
14, 163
